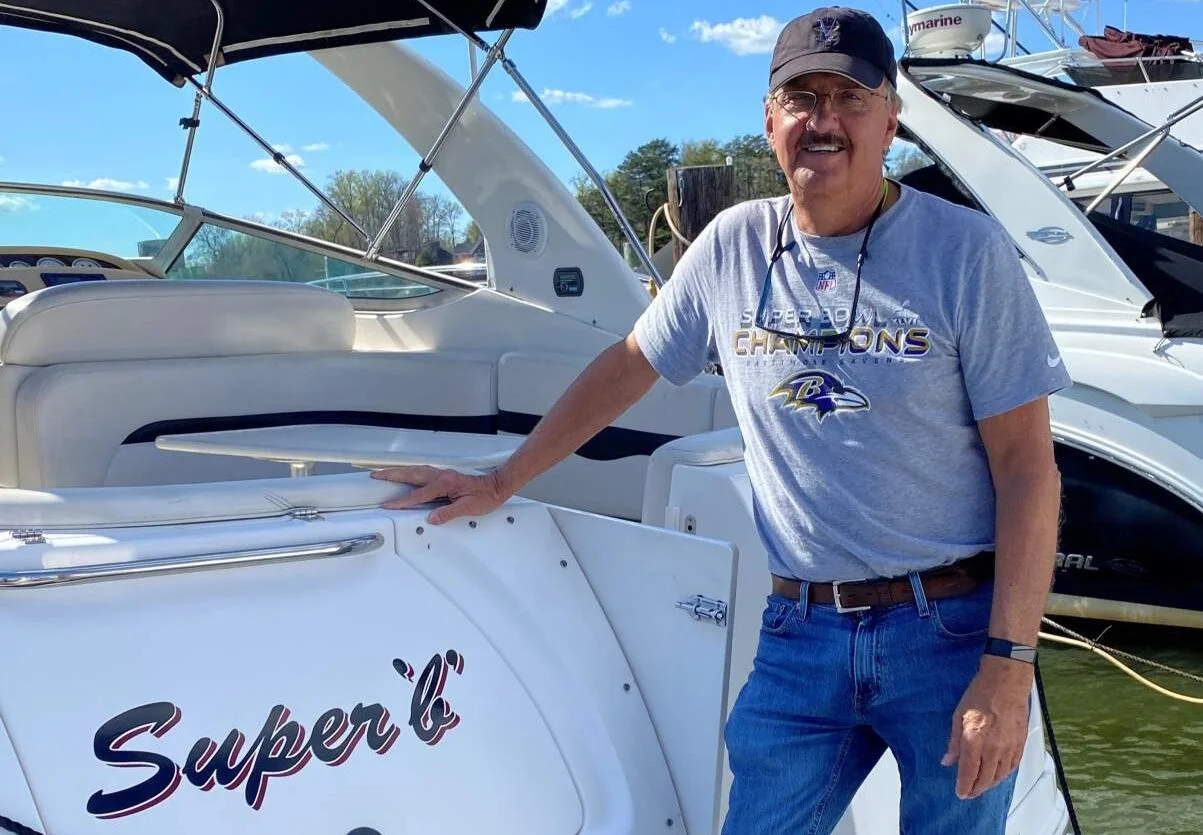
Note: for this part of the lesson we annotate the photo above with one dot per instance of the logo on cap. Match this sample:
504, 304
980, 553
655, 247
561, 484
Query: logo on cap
827, 30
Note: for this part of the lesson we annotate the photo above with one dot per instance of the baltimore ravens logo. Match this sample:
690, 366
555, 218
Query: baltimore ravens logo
818, 390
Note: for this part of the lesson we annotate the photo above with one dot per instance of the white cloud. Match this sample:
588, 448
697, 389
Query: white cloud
283, 148
667, 37
316, 146
173, 183
108, 184
10, 204
269, 166
580, 11
621, 7
553, 97
743, 36
554, 6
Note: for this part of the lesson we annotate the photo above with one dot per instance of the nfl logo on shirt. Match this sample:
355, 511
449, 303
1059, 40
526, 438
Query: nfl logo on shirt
826, 281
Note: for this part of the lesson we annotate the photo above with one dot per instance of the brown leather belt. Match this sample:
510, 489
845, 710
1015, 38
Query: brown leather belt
857, 595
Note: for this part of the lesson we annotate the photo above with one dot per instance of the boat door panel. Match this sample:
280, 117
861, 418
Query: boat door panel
308, 697
640, 574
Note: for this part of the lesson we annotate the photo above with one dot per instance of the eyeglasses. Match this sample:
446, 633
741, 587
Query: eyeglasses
825, 338
851, 101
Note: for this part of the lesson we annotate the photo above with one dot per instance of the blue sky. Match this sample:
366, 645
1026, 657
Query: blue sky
618, 72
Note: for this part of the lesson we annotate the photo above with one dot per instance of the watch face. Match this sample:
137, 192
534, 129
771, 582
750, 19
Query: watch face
1021, 653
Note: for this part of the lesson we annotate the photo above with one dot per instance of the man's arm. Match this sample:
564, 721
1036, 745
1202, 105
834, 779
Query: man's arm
990, 725
1027, 488
610, 385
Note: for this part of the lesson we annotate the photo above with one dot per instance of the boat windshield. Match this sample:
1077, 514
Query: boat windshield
128, 230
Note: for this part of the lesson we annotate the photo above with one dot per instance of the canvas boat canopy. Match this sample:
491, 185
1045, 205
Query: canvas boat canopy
175, 38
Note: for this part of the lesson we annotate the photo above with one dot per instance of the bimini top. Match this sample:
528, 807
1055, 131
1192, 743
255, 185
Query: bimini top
175, 37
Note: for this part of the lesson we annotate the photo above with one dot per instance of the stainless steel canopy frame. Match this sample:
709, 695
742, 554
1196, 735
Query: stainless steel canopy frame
494, 53
599, 181
204, 92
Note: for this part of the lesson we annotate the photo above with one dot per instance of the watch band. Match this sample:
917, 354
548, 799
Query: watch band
1006, 649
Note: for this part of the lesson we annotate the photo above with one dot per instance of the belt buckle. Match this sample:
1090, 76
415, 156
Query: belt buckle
839, 606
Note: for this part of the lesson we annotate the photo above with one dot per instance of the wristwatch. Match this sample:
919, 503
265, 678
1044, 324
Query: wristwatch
1006, 649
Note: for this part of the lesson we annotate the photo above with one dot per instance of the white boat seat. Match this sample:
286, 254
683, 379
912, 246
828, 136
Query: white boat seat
110, 321
92, 373
722, 446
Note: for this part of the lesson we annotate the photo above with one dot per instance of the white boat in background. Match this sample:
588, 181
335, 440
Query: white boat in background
1123, 300
1158, 78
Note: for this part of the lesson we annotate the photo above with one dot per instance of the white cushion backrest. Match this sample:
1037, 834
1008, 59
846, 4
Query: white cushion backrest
99, 321
75, 421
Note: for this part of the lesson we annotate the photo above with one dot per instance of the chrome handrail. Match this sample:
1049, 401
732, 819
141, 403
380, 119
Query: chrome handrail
36, 578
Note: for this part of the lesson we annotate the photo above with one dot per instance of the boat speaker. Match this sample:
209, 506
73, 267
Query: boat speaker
528, 229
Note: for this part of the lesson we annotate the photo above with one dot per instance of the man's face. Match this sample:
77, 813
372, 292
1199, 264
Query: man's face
837, 146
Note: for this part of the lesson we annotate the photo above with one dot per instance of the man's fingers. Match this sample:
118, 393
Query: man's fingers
954, 742
404, 475
988, 775
968, 768
467, 495
447, 512
1003, 764
419, 495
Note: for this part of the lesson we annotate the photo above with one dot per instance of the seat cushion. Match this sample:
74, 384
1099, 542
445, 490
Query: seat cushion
86, 424
722, 446
98, 321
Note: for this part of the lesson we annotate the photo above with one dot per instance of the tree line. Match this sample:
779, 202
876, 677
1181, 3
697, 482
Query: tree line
639, 183
427, 232
431, 226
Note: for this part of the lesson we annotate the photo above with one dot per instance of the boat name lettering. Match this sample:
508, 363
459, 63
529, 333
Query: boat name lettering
282, 747
1085, 562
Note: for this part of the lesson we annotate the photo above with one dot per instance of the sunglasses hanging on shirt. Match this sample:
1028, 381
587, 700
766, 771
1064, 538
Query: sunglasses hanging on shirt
826, 338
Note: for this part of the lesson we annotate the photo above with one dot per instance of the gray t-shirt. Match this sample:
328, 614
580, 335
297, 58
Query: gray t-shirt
865, 459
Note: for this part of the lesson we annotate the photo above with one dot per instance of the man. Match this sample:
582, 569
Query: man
889, 366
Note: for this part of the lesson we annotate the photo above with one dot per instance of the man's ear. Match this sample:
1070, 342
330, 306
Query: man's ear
891, 128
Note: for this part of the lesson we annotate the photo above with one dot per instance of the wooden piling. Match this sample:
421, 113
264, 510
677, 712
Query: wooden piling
696, 193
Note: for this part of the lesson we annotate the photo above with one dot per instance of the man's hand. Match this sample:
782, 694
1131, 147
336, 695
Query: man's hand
470, 495
990, 726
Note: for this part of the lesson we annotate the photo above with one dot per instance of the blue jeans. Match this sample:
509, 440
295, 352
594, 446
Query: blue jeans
830, 691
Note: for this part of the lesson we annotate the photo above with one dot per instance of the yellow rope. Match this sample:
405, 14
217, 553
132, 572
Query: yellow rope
1057, 639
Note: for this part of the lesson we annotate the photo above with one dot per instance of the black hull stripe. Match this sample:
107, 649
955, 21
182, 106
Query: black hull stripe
481, 424
611, 444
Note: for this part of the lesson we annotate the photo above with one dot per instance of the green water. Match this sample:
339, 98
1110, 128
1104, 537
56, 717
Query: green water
1133, 758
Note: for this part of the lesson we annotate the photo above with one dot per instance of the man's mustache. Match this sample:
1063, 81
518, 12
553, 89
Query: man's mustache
823, 139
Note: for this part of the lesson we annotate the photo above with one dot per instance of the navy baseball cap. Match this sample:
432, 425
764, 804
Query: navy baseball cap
834, 39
